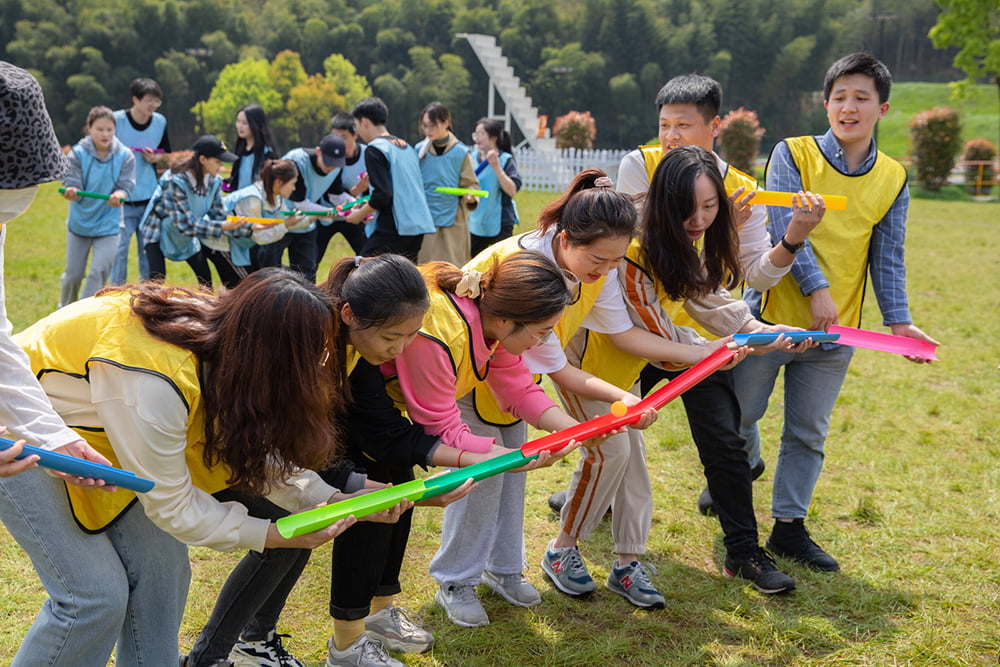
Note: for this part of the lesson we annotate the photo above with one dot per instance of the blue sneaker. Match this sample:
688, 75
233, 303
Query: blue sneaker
566, 569
632, 583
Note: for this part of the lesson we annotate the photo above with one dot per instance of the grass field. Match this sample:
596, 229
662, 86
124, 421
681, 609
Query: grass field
908, 503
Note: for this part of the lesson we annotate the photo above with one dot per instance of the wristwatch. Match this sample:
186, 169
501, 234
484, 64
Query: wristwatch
792, 248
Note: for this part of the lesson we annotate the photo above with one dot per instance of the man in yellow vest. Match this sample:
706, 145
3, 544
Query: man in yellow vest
826, 286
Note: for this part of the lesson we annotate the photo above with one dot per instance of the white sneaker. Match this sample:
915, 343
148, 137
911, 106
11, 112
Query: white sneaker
397, 629
366, 651
462, 605
513, 588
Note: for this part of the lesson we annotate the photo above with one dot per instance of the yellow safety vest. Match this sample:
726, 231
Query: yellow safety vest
104, 329
841, 242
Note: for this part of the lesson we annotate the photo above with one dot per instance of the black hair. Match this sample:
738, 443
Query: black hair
495, 129
372, 108
142, 86
862, 63
702, 91
437, 112
380, 290
263, 140
343, 121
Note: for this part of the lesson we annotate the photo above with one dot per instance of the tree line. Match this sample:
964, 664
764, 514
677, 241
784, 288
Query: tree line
608, 57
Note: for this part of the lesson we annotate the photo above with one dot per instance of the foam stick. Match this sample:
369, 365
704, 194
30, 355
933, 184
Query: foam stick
461, 191
349, 205
319, 213
376, 501
455, 478
84, 193
482, 165
81, 468
883, 342
609, 422
155, 150
770, 198
255, 221
793, 336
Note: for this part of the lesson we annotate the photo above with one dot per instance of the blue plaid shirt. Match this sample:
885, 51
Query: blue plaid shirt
885, 259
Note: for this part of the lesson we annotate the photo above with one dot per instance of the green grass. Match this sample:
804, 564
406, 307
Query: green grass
979, 114
908, 503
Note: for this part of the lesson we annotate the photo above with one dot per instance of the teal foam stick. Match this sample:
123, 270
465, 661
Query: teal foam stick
360, 506
461, 191
84, 193
477, 471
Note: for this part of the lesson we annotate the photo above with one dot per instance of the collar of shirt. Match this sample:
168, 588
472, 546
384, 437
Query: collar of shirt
830, 147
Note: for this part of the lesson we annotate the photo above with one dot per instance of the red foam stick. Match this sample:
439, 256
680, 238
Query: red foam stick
609, 422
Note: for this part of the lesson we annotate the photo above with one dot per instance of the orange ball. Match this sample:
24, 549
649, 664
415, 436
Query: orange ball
618, 409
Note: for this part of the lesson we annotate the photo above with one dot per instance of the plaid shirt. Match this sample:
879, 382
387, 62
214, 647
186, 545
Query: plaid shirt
172, 209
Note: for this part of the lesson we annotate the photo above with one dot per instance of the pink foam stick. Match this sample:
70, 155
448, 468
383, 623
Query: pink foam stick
883, 342
609, 422
155, 150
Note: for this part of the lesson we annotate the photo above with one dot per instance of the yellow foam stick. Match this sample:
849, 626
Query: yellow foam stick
769, 198
256, 221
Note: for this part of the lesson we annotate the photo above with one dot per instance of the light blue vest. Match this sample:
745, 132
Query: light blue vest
485, 219
239, 247
445, 171
316, 184
174, 244
409, 205
94, 217
145, 173
350, 173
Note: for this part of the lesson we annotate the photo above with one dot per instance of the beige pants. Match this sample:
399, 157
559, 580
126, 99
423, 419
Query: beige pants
449, 244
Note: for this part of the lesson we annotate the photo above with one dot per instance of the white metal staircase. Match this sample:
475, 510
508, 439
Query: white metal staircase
517, 104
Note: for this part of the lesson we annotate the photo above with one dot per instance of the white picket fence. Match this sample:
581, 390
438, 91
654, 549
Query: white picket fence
552, 171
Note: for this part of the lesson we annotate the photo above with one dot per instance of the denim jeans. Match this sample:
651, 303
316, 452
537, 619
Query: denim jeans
119, 270
812, 383
126, 585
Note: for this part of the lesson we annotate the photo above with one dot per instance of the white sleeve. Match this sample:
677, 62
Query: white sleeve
24, 408
609, 314
632, 179
755, 249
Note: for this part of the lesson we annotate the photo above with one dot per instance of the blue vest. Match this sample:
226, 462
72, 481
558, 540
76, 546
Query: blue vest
485, 219
173, 243
94, 217
409, 205
316, 184
145, 173
350, 173
445, 171
239, 247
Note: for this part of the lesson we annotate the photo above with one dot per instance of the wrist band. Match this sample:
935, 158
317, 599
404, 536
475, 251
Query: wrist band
791, 248
460, 452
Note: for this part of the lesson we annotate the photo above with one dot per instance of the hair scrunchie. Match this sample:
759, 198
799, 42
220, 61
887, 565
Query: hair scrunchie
469, 284
357, 260
603, 182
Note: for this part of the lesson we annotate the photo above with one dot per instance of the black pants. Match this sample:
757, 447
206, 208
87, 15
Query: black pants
158, 265
229, 273
353, 234
714, 418
301, 253
381, 244
368, 556
255, 592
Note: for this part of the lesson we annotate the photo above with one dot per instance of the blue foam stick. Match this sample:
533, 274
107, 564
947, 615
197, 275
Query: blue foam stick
794, 336
81, 468
482, 165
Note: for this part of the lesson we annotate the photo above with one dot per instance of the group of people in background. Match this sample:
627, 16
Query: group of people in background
424, 348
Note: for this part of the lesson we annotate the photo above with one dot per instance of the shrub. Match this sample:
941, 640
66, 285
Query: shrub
979, 177
936, 136
576, 129
739, 138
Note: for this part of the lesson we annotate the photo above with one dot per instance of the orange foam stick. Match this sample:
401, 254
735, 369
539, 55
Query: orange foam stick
256, 221
770, 198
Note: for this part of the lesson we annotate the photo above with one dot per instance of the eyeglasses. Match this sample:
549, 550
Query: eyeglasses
478, 135
540, 339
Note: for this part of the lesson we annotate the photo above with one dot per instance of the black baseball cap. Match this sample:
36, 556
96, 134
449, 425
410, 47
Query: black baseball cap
212, 146
333, 150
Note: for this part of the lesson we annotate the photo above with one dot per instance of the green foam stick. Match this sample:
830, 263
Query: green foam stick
477, 471
326, 212
84, 193
461, 191
376, 501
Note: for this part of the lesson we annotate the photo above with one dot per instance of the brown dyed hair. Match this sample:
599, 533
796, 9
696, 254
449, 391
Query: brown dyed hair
268, 402
276, 170
672, 258
587, 212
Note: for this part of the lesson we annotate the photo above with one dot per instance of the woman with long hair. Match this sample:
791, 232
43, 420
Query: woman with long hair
254, 147
494, 218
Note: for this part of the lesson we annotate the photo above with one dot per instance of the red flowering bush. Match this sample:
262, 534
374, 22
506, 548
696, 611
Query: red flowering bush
739, 138
576, 129
979, 177
936, 137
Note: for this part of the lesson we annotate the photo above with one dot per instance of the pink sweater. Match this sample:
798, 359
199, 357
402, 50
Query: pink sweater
427, 381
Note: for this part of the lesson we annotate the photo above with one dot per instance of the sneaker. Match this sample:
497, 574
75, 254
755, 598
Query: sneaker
558, 499
567, 570
705, 503
791, 540
762, 573
632, 583
398, 630
265, 653
513, 588
462, 605
366, 651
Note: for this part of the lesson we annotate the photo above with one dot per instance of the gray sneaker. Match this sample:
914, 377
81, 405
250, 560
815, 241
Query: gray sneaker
513, 588
632, 583
398, 630
567, 570
366, 651
462, 605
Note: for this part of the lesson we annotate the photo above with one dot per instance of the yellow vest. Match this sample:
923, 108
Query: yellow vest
841, 242
486, 405
104, 329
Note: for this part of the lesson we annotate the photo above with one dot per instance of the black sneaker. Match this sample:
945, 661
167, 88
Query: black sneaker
762, 573
791, 540
705, 503
558, 499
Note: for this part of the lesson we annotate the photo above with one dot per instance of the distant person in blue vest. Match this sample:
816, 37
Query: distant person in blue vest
101, 164
254, 146
397, 188
143, 127
445, 162
495, 217
319, 169
352, 182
